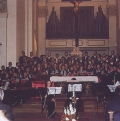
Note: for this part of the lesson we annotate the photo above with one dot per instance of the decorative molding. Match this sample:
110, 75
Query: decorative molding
96, 42
83, 43
3, 15
80, 43
3, 6
111, 10
42, 11
58, 43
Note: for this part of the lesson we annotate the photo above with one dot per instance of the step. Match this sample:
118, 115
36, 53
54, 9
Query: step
35, 104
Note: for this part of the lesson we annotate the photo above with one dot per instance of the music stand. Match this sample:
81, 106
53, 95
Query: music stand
75, 87
113, 87
54, 91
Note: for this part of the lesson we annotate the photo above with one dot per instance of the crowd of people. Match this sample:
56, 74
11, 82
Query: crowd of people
27, 69
106, 67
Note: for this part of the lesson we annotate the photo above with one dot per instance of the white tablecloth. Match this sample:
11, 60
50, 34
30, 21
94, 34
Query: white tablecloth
78, 79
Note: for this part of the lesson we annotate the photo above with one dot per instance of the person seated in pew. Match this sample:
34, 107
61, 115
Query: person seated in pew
14, 80
24, 80
89, 71
116, 116
2, 116
6, 108
48, 100
114, 75
114, 103
54, 70
5, 79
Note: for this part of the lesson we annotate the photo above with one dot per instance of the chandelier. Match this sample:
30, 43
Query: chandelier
76, 51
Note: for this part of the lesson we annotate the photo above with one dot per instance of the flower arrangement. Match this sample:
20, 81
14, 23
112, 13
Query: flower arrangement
66, 117
69, 114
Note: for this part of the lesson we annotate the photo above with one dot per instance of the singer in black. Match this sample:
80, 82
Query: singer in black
75, 99
113, 76
48, 100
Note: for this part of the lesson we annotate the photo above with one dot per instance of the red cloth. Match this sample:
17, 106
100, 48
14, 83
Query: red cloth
23, 82
14, 81
53, 85
99, 80
38, 84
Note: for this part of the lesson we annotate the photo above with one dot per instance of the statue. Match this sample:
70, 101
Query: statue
76, 4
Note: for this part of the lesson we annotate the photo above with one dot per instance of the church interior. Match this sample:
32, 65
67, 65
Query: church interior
65, 42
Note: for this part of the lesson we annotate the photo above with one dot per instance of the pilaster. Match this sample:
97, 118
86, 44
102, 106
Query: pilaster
112, 12
28, 26
41, 14
11, 31
3, 38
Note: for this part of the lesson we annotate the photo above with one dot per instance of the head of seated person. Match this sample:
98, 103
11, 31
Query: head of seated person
117, 91
48, 84
1, 94
2, 116
116, 116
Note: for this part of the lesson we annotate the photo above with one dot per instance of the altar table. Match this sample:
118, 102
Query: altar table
74, 79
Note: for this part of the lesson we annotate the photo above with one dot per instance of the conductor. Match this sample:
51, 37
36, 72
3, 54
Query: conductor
75, 99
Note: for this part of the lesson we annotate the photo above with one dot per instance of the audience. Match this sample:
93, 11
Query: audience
32, 68
6, 108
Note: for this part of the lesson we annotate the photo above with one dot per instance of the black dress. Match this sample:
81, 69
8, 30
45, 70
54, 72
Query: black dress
48, 102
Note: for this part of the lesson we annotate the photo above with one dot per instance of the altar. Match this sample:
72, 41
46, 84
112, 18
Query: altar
63, 81
74, 79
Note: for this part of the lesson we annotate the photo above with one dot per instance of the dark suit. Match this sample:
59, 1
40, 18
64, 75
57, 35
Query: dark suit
113, 104
85, 58
116, 116
113, 76
9, 68
22, 59
78, 102
8, 110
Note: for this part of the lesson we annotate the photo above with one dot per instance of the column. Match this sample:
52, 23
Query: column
28, 26
11, 31
112, 25
118, 26
3, 38
42, 10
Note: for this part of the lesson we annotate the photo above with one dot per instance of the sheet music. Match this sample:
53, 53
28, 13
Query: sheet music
75, 87
113, 87
54, 90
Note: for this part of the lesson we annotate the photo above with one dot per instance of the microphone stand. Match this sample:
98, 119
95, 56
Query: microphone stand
73, 95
